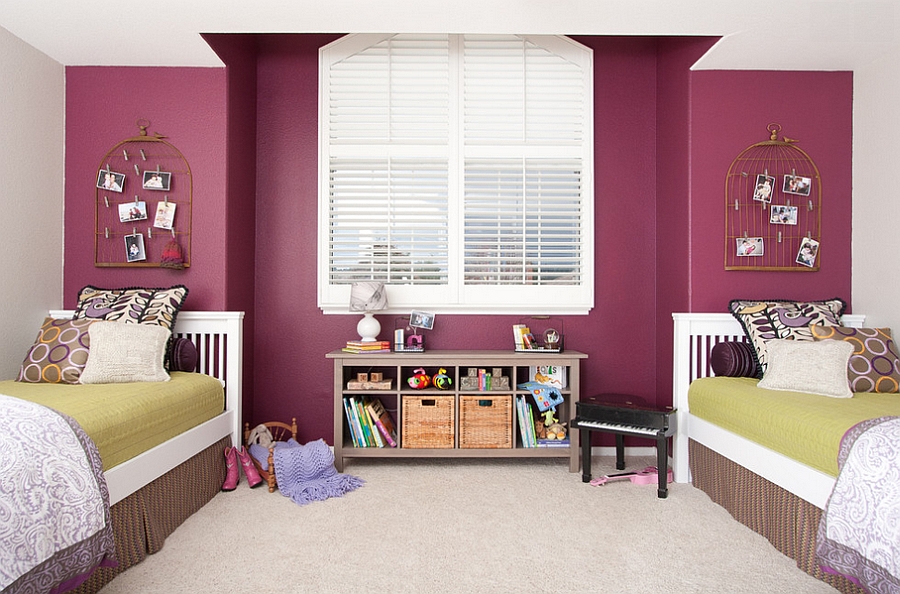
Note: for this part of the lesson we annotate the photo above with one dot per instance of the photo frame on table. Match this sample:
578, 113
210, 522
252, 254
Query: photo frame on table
421, 319
157, 180
110, 180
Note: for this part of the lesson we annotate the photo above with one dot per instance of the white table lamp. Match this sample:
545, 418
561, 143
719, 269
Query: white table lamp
368, 296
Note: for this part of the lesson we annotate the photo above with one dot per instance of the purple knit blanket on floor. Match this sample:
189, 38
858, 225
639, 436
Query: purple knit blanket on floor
306, 473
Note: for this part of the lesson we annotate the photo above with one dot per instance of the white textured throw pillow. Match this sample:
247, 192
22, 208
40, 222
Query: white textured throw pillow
808, 367
122, 353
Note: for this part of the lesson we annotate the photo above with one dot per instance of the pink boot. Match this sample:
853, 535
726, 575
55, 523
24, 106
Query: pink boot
249, 469
232, 470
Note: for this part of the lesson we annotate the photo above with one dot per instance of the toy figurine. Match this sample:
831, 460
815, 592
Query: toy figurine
441, 380
419, 380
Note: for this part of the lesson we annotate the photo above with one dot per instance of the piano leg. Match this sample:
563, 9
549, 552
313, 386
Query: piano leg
620, 451
585, 455
662, 466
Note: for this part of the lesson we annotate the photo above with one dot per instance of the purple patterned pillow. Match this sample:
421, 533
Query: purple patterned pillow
733, 359
59, 353
874, 365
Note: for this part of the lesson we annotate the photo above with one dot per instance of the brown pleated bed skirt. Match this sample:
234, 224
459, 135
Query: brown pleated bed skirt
787, 521
143, 520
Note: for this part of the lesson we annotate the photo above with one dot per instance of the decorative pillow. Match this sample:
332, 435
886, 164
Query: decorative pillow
182, 355
814, 367
136, 305
122, 353
733, 359
58, 354
874, 365
780, 318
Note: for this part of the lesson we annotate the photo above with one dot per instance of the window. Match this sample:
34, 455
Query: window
458, 169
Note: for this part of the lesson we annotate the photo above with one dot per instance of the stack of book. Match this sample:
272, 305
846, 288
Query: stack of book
358, 346
371, 426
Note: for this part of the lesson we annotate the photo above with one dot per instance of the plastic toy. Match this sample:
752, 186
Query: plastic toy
647, 476
419, 380
546, 397
441, 380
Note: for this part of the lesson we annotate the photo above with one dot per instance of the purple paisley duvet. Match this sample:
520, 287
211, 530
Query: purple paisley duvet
54, 505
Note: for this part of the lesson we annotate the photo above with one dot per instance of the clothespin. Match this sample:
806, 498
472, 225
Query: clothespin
125, 154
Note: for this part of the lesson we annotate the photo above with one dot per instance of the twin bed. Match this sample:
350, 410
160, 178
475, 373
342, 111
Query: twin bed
161, 443
769, 457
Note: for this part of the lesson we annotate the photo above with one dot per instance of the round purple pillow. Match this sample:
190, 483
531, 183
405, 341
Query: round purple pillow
183, 355
733, 359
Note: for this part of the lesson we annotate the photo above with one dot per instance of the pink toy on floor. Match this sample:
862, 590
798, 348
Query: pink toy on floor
647, 476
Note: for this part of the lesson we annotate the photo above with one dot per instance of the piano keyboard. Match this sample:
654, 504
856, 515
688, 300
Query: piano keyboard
617, 427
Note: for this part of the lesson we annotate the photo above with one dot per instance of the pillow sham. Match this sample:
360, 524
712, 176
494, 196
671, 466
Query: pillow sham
58, 354
813, 367
874, 365
134, 304
733, 359
123, 353
765, 320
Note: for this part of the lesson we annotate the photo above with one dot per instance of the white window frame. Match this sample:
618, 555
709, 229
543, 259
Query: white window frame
455, 296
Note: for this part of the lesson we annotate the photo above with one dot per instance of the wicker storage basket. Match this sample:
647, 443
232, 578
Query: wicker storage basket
485, 421
428, 422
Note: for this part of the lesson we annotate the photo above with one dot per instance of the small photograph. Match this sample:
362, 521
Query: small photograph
421, 319
809, 249
134, 248
794, 184
110, 180
132, 211
749, 246
157, 180
165, 215
764, 187
783, 215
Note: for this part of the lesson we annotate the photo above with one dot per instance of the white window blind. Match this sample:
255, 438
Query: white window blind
458, 170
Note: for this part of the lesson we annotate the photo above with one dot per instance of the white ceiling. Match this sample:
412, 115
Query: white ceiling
756, 34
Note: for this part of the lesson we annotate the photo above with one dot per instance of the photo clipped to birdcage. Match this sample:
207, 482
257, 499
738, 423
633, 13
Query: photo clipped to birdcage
783, 215
809, 250
157, 180
132, 211
795, 184
749, 246
764, 186
110, 180
165, 215
134, 248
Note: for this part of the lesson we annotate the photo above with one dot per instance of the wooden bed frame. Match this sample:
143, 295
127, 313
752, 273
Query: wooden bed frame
218, 336
695, 335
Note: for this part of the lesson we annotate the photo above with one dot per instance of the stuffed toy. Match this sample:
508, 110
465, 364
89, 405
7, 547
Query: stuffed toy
556, 431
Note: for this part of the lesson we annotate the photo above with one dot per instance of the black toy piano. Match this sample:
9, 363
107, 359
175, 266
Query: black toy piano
623, 415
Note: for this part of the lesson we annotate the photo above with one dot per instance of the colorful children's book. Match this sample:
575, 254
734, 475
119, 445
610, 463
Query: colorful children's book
382, 421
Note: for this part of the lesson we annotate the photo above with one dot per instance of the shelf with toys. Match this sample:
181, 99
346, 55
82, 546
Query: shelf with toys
457, 403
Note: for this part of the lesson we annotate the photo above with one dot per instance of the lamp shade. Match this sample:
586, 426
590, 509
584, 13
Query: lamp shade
368, 296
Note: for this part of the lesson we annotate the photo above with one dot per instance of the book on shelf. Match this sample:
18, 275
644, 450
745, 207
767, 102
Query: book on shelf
366, 425
350, 423
382, 421
526, 422
519, 332
550, 375
553, 443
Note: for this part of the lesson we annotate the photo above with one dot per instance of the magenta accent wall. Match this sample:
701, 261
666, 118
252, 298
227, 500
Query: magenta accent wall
187, 105
664, 139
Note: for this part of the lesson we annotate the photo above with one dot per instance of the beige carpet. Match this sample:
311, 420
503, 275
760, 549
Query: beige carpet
468, 526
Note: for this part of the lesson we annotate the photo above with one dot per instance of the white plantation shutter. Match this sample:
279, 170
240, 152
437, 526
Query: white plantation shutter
457, 170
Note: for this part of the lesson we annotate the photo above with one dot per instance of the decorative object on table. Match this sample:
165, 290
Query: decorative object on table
369, 381
498, 380
367, 297
538, 333
470, 380
441, 380
415, 342
419, 379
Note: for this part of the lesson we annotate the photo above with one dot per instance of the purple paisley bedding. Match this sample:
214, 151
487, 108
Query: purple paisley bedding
859, 534
54, 505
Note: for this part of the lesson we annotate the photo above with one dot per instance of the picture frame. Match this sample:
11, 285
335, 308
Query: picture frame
797, 184
111, 180
132, 211
165, 215
782, 214
749, 246
808, 252
765, 187
159, 181
134, 248
421, 319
